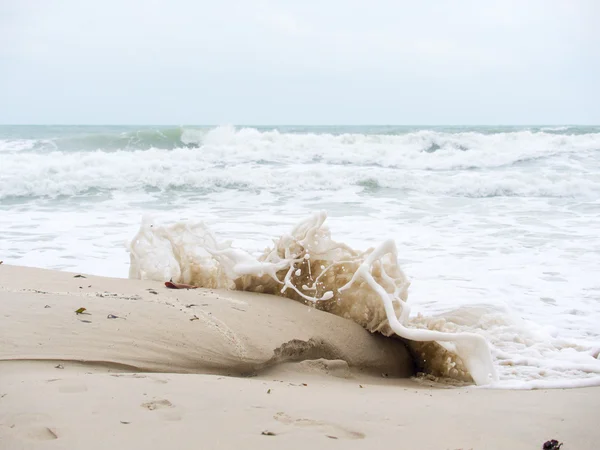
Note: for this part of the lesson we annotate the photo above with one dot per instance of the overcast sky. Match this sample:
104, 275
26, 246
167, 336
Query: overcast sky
300, 62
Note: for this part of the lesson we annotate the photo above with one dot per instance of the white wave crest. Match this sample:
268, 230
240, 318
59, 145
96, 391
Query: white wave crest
469, 164
426, 149
17, 145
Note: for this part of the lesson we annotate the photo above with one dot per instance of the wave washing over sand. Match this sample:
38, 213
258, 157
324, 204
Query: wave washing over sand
369, 288
496, 227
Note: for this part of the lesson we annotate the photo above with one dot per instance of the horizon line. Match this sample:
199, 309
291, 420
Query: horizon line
299, 125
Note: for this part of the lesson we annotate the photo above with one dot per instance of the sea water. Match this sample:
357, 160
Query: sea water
497, 228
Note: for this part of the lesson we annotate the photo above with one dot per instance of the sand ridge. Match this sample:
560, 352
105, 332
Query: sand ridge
162, 330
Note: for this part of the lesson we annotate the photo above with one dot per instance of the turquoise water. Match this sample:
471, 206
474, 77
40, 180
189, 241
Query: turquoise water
86, 137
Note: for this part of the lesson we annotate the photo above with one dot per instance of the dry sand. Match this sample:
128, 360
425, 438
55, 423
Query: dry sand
203, 369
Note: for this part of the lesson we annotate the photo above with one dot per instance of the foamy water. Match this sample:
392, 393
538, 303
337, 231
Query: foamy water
497, 229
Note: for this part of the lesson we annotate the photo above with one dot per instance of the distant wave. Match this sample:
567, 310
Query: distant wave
168, 138
468, 163
143, 139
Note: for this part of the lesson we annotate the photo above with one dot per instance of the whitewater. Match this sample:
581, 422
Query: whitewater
495, 229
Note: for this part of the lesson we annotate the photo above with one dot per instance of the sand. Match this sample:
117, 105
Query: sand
217, 369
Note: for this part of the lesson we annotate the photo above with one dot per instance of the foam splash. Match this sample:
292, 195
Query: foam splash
306, 265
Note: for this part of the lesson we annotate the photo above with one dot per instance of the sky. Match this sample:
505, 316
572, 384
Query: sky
327, 62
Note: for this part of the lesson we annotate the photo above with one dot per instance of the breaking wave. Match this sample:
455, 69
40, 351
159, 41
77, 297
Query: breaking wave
106, 140
472, 164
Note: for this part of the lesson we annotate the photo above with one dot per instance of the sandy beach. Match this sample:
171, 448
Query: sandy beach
147, 367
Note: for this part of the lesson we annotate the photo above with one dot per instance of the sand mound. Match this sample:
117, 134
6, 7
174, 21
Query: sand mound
143, 326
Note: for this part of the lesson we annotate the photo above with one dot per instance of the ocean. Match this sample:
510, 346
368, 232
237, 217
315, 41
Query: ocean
497, 228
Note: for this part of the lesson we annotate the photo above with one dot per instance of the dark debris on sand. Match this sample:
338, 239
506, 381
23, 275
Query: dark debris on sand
552, 444
268, 433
